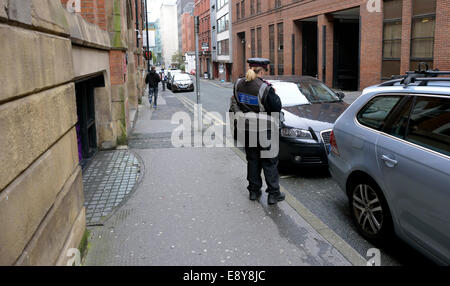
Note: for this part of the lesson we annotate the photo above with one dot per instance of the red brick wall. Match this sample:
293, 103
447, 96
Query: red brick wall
371, 47
93, 11
442, 35
406, 35
187, 27
117, 63
325, 20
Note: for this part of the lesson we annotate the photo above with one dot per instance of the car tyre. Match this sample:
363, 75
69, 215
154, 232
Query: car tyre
370, 212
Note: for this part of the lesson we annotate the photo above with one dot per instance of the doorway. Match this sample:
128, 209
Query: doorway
86, 128
309, 48
346, 50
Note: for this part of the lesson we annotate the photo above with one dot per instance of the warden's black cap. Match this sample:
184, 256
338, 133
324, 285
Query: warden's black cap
258, 62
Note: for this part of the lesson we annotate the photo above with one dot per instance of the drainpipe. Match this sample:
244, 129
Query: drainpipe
148, 40
137, 24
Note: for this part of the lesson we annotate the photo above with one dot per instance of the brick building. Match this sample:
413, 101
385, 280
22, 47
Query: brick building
187, 32
221, 34
69, 86
202, 10
349, 44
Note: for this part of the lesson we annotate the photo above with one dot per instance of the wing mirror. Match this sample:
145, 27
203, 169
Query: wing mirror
340, 94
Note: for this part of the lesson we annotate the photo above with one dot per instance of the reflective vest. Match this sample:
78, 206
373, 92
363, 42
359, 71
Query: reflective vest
248, 101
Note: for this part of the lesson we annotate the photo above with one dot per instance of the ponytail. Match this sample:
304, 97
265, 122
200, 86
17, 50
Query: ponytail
251, 75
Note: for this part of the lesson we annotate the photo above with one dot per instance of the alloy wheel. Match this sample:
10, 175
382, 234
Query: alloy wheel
367, 209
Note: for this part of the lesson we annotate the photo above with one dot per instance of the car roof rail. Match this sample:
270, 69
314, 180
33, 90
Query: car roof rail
421, 75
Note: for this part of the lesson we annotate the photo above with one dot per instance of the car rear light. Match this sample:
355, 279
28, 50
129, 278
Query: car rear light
333, 144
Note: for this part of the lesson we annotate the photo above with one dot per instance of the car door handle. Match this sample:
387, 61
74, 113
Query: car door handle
389, 161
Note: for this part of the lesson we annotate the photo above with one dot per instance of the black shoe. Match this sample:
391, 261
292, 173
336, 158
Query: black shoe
276, 198
255, 195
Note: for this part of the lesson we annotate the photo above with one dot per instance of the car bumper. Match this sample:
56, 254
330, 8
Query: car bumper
339, 171
177, 88
302, 153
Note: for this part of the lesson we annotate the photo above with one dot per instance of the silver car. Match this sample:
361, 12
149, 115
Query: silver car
390, 153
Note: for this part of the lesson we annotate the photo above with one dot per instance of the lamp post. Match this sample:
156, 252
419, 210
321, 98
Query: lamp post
197, 77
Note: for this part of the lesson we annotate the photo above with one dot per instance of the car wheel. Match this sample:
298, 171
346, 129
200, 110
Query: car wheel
370, 212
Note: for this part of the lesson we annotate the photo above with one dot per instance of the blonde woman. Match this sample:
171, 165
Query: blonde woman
253, 94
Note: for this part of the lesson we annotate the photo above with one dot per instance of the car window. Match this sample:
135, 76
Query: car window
429, 124
317, 92
375, 112
289, 94
182, 77
397, 122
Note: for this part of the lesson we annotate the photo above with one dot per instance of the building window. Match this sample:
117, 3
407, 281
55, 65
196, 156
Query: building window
221, 3
238, 11
224, 47
277, 4
259, 42
392, 38
253, 42
243, 9
252, 7
272, 49
280, 48
223, 24
422, 33
258, 6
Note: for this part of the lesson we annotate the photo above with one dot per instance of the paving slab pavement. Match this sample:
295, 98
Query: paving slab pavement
192, 209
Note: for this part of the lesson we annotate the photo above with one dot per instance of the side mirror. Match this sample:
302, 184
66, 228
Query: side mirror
340, 94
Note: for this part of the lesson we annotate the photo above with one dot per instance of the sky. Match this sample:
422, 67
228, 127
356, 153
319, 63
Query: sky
153, 8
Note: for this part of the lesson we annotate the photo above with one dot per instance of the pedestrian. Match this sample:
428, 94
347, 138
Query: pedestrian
152, 79
163, 80
253, 94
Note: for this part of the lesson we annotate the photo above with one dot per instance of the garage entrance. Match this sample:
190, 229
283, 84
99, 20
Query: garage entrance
346, 49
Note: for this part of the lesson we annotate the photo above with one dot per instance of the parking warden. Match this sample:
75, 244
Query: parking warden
253, 94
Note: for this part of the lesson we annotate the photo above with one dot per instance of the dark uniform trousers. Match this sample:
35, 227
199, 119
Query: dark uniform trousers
255, 164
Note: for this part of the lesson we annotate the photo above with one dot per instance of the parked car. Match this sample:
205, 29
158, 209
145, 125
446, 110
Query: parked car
390, 153
170, 74
182, 82
192, 72
309, 111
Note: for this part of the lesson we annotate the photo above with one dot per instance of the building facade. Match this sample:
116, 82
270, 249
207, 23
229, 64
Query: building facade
202, 10
183, 7
154, 41
348, 44
221, 39
71, 94
169, 33
188, 33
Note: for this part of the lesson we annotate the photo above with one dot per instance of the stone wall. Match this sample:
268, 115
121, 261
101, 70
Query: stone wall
45, 49
41, 192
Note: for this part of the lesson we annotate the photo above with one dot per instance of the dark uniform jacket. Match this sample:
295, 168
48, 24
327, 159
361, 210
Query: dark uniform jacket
152, 79
252, 98
245, 97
